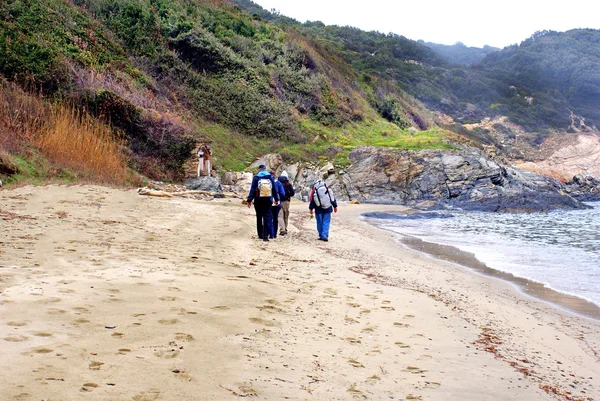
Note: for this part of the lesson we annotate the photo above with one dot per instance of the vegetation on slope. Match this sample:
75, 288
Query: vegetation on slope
165, 74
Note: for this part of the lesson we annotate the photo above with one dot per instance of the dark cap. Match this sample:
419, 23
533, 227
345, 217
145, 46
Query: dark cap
262, 167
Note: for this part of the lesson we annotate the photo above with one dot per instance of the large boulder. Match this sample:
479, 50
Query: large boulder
204, 183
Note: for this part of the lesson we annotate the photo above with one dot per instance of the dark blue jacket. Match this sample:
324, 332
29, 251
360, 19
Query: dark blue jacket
287, 184
254, 187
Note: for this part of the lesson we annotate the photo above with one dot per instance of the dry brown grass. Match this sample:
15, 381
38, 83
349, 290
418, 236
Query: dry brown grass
81, 143
67, 138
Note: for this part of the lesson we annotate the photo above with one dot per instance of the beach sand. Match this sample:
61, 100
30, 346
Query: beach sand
109, 295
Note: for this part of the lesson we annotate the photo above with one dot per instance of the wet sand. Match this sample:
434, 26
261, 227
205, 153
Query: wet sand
109, 295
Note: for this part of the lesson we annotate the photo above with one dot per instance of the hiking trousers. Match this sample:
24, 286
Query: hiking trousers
264, 217
275, 212
323, 222
283, 216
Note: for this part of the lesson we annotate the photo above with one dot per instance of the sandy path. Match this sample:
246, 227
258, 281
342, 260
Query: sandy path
107, 295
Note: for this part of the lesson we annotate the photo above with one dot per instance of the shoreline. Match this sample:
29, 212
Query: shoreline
566, 302
109, 295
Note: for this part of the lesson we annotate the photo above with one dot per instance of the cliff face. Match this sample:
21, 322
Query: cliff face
579, 157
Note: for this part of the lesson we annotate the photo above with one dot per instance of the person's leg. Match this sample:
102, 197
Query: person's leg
326, 223
259, 219
276, 210
267, 220
319, 218
283, 217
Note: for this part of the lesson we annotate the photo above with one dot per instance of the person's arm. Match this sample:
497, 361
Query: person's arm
334, 203
311, 204
274, 191
252, 191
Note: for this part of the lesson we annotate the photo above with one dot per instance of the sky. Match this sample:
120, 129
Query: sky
472, 22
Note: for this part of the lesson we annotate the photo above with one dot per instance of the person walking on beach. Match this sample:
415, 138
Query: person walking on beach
285, 203
322, 203
276, 208
264, 195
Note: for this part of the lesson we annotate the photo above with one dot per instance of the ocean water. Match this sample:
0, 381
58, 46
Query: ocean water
559, 249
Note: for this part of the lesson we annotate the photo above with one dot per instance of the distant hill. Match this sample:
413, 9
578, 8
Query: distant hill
459, 53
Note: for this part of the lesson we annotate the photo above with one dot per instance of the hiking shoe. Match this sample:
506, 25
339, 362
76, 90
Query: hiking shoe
265, 239
324, 239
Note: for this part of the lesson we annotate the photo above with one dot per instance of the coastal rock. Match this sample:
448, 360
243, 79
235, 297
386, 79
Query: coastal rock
204, 183
584, 188
463, 178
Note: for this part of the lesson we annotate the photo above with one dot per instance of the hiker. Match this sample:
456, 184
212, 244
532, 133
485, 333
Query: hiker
264, 195
204, 159
322, 203
276, 208
285, 203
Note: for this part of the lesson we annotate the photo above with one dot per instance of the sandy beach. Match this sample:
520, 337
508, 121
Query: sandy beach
109, 295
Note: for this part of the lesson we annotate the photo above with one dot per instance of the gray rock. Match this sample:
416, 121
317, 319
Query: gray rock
584, 188
204, 183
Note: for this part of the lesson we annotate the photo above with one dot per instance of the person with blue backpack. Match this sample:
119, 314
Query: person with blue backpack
322, 203
276, 208
264, 195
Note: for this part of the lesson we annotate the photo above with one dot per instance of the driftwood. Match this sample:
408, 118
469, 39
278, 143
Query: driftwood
150, 192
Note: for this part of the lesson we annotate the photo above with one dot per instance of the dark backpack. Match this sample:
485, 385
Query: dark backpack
289, 190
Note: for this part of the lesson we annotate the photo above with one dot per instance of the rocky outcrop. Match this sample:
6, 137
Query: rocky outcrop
584, 188
464, 178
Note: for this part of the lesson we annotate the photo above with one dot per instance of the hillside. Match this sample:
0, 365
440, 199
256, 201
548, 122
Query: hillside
167, 75
159, 78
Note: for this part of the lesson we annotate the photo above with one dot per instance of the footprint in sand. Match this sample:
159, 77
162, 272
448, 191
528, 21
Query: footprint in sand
184, 337
48, 301
413, 397
401, 325
409, 316
167, 354
81, 309
401, 344
351, 320
424, 357
66, 291
373, 379
138, 314
388, 308
42, 350
414, 370
150, 395
124, 351
353, 340
353, 304
265, 322
19, 323
87, 387
270, 309
220, 307
42, 334
168, 299
54, 311
80, 321
118, 335
15, 339
176, 289
95, 365
169, 321
330, 291
432, 384
355, 363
